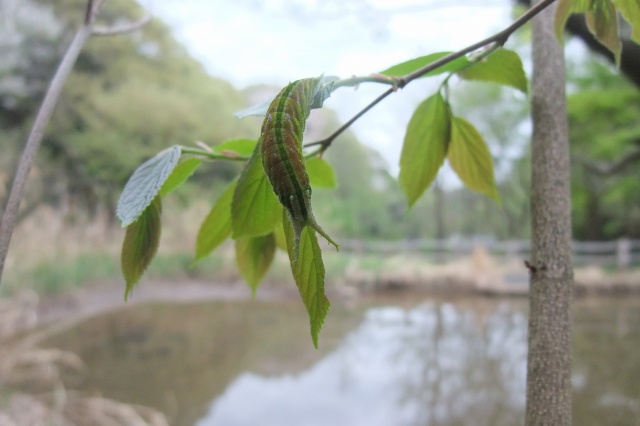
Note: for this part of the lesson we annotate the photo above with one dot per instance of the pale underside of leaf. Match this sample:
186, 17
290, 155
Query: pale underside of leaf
144, 185
324, 90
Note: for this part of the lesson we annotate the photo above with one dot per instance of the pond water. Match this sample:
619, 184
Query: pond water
382, 362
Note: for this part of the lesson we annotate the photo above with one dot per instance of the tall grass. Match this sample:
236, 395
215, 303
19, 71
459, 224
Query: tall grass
55, 276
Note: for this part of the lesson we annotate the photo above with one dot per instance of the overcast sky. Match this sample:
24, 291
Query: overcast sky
277, 41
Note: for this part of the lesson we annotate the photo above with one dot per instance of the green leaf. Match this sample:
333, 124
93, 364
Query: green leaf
144, 185
179, 175
254, 256
216, 227
240, 147
140, 244
258, 110
564, 8
425, 146
281, 238
415, 64
323, 90
630, 9
470, 158
502, 66
308, 272
255, 209
321, 174
602, 21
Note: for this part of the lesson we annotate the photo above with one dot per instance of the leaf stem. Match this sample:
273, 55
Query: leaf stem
212, 155
497, 40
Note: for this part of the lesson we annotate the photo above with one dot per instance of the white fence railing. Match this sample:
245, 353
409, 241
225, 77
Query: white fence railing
622, 253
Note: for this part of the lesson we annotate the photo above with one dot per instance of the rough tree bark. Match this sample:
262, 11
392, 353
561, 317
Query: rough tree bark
551, 283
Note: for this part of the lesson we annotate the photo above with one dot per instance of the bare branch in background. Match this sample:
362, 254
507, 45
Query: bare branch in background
611, 168
10, 215
121, 29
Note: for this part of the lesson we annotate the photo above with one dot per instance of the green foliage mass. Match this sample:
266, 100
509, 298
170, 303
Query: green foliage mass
604, 113
128, 97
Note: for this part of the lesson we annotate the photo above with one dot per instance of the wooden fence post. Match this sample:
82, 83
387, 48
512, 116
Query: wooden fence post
623, 253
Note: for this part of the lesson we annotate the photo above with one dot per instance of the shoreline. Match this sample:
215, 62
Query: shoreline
449, 281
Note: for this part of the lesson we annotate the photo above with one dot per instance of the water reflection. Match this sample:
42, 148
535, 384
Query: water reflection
434, 363
606, 363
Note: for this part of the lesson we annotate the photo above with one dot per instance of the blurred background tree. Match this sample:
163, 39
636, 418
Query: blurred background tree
131, 96
127, 98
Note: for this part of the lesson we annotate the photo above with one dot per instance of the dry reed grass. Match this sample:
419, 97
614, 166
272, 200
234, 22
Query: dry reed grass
49, 234
35, 383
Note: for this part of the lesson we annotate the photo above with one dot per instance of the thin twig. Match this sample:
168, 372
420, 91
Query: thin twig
121, 29
89, 13
92, 11
498, 39
326, 142
212, 155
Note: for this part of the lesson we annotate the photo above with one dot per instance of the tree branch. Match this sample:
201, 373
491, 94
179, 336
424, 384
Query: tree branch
88, 17
93, 7
608, 169
121, 29
498, 39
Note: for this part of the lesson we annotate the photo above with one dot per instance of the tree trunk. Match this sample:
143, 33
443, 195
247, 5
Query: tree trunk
551, 283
